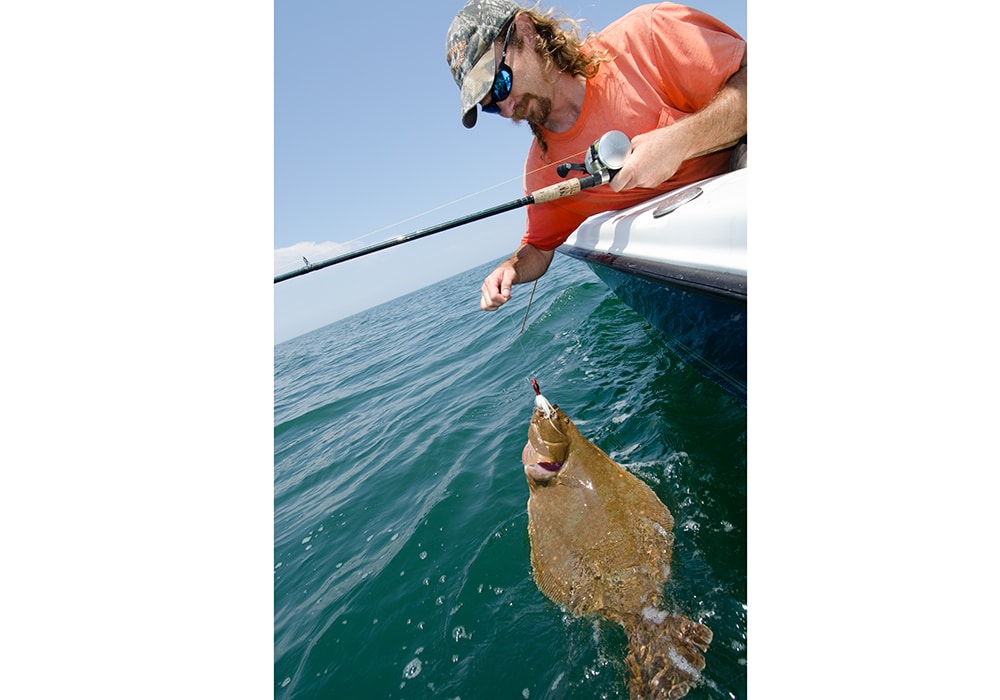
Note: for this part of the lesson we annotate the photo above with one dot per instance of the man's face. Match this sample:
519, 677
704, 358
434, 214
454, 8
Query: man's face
529, 99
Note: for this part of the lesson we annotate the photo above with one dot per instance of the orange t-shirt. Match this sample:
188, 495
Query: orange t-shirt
668, 61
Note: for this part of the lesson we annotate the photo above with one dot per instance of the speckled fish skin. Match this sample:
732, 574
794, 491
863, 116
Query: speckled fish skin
601, 543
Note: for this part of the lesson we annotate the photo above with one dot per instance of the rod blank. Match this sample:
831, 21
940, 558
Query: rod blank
546, 194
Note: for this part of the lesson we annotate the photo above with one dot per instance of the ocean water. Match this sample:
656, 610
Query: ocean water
401, 564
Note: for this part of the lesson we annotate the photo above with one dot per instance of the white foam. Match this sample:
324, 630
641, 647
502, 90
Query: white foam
653, 615
555, 683
682, 663
413, 669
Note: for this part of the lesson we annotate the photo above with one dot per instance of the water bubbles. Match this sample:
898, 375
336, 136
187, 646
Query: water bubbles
412, 669
304, 541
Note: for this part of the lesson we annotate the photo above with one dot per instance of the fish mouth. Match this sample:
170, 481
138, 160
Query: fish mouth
536, 467
547, 448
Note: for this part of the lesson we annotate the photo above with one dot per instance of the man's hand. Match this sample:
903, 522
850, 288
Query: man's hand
527, 264
496, 288
655, 157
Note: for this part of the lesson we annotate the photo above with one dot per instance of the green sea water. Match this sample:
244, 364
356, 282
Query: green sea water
401, 554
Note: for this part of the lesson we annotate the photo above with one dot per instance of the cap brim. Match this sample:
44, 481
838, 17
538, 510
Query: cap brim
470, 117
477, 83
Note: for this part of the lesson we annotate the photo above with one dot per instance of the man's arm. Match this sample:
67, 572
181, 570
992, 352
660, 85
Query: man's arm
527, 264
656, 155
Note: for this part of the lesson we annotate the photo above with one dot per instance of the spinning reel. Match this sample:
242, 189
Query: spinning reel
604, 158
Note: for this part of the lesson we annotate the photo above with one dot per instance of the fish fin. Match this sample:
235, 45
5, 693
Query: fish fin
665, 655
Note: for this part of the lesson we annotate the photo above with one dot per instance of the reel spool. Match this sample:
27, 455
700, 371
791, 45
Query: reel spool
604, 158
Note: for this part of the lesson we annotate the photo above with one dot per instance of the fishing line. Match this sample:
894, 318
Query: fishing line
456, 201
530, 299
518, 333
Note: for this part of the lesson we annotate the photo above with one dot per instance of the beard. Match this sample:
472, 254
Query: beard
533, 109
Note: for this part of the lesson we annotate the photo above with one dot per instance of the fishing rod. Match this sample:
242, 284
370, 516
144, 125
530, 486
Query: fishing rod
603, 160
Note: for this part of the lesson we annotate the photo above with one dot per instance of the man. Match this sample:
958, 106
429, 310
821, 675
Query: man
671, 77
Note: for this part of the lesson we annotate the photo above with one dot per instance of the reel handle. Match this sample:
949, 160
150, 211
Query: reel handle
564, 169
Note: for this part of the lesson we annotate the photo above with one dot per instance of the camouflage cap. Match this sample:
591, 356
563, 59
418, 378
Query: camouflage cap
470, 50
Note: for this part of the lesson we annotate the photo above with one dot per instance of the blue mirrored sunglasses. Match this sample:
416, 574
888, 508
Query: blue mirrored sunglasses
503, 79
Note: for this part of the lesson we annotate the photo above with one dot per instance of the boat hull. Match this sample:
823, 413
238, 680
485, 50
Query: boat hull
679, 260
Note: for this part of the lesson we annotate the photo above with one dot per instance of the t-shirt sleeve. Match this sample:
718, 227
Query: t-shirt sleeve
697, 54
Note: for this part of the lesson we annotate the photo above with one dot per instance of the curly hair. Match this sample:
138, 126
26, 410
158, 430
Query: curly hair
559, 44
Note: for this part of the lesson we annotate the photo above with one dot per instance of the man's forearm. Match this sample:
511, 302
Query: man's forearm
721, 122
530, 263
656, 155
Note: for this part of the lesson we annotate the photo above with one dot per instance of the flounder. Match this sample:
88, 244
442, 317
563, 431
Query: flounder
601, 543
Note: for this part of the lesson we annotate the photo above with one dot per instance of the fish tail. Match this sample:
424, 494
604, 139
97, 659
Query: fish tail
665, 655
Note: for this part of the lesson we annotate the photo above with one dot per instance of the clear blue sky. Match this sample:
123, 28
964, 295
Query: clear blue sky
368, 145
